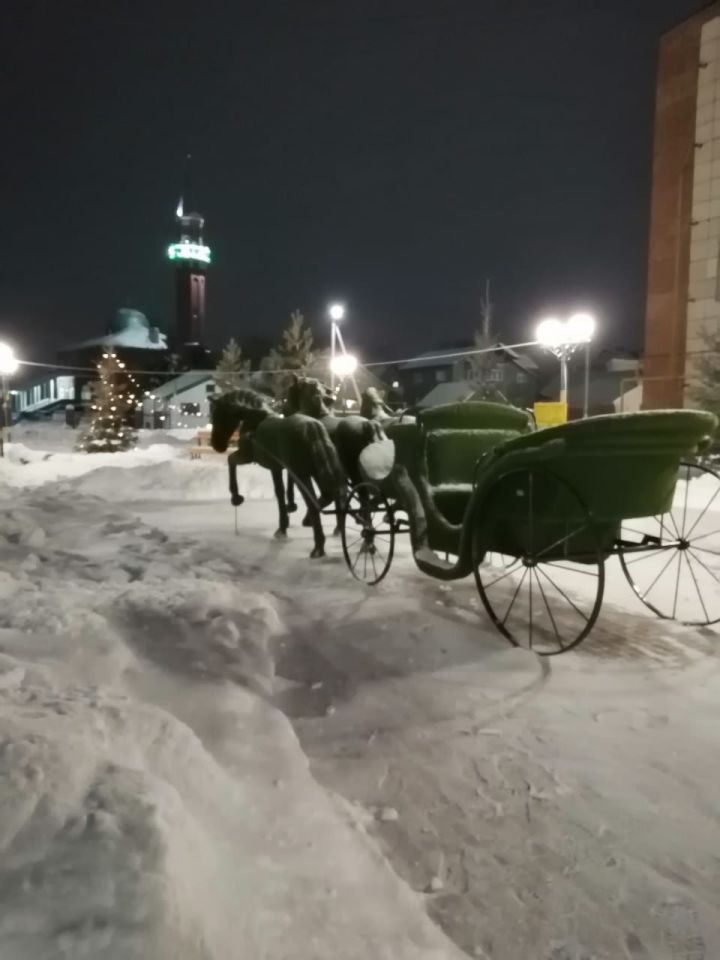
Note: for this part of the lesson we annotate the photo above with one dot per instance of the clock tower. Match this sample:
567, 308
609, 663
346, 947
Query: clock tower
191, 259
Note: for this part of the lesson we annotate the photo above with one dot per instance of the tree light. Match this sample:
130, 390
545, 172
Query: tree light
343, 365
336, 312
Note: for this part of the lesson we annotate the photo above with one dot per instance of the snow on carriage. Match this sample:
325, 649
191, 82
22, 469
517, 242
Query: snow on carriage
535, 515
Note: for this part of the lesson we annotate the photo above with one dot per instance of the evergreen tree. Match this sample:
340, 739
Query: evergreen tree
293, 355
705, 389
481, 364
112, 408
232, 370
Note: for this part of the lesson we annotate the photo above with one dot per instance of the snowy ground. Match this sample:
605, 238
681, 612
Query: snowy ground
212, 747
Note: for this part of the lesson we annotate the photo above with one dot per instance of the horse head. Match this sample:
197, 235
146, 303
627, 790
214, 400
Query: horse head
313, 398
232, 409
373, 406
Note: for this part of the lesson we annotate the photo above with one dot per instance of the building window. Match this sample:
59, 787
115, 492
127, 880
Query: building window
521, 377
65, 388
441, 376
190, 409
210, 388
495, 375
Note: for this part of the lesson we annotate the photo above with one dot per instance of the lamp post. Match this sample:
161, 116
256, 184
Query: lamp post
8, 366
336, 312
342, 364
563, 338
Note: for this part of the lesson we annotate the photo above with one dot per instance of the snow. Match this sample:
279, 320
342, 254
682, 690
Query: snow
212, 747
136, 337
159, 468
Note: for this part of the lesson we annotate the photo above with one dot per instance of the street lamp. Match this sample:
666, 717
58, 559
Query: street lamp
8, 366
563, 338
342, 364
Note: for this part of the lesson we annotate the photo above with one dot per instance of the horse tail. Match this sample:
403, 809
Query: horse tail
326, 466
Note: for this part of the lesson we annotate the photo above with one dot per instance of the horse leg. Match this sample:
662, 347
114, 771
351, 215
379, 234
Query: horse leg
279, 488
307, 519
236, 498
313, 514
291, 506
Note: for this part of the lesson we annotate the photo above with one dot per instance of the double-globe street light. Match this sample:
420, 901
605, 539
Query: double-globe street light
8, 366
563, 338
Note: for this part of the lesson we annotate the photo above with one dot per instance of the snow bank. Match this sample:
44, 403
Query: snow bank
153, 803
43, 454
181, 480
31, 467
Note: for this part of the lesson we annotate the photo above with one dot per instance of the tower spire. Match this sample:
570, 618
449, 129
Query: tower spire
184, 202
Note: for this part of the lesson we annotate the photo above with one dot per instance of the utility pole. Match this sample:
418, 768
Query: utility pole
486, 309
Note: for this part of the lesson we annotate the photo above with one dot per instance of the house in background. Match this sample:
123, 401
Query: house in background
44, 394
611, 377
139, 345
183, 401
512, 374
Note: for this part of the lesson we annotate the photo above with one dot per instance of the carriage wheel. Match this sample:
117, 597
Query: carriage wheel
367, 530
545, 596
672, 562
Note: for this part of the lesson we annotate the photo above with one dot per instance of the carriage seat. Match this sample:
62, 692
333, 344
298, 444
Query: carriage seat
451, 459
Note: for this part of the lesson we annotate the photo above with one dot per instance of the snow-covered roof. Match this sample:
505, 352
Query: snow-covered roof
435, 358
453, 392
181, 383
135, 338
440, 358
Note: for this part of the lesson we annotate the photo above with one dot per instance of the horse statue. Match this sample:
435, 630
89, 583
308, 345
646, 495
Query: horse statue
243, 455
374, 407
297, 443
351, 435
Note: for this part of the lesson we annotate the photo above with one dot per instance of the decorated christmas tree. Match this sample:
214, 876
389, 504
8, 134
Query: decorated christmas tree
232, 370
112, 408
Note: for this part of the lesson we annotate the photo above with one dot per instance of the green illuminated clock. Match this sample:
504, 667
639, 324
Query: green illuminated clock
189, 251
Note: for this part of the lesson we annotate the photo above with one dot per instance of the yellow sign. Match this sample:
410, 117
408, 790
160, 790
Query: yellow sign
550, 414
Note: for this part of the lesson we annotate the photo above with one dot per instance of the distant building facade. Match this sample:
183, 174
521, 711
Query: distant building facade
512, 374
683, 297
184, 401
139, 345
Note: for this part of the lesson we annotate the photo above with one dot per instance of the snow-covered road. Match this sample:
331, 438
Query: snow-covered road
162, 682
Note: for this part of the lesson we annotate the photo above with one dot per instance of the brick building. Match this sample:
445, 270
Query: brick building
683, 296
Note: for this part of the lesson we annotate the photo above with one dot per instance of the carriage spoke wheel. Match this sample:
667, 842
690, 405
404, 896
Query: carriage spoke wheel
545, 593
367, 531
672, 562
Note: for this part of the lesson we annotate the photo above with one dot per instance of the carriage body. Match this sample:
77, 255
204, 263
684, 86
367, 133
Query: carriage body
476, 482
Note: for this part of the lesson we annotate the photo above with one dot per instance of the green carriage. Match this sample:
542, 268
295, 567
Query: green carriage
534, 515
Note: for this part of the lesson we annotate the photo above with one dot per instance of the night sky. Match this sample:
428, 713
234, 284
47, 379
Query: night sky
390, 152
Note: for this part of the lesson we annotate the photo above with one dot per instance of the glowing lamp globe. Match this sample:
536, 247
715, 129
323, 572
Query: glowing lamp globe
8, 361
336, 312
550, 332
580, 328
343, 365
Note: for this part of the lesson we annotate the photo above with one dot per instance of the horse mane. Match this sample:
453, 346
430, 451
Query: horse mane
249, 399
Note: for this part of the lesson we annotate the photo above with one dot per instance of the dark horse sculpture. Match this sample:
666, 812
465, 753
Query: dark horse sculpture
297, 443
374, 407
350, 434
